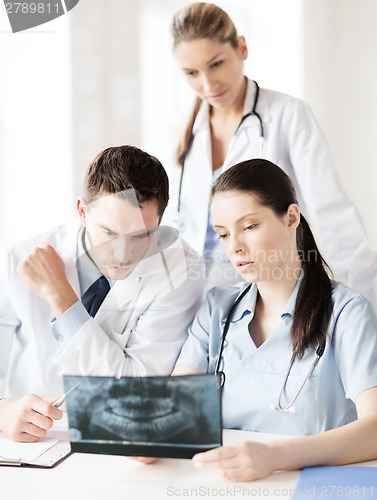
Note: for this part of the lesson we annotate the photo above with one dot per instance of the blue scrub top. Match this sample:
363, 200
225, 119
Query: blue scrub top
212, 246
254, 376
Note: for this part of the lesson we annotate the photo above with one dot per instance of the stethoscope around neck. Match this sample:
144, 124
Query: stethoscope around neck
276, 407
179, 220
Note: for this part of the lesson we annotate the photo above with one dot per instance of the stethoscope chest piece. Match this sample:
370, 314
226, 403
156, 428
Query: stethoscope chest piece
290, 408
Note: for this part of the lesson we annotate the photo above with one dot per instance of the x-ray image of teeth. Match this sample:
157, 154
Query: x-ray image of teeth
162, 410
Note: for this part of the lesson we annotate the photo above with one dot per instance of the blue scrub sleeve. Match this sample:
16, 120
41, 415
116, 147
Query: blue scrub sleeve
194, 353
69, 323
355, 346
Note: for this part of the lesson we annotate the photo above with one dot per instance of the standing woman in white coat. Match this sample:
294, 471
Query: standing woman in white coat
234, 120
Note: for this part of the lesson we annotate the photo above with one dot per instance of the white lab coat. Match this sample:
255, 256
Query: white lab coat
293, 141
138, 330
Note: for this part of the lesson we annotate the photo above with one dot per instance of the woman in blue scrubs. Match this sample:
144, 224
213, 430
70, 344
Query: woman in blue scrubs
300, 355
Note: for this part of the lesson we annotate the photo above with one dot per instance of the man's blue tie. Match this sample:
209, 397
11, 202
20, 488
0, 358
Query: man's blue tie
95, 295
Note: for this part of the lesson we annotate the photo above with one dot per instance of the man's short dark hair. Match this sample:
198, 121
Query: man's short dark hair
121, 168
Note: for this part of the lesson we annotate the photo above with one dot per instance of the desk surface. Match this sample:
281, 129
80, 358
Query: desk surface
105, 477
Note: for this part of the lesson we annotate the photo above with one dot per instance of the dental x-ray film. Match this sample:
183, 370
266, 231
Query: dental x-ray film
172, 417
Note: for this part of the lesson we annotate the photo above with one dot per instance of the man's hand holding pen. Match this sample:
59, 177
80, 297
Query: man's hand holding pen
29, 418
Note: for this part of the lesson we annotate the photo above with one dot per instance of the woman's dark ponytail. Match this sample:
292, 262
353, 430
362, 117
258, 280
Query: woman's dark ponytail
314, 303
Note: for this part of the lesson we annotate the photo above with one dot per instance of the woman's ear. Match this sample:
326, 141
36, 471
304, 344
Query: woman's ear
242, 48
81, 210
293, 215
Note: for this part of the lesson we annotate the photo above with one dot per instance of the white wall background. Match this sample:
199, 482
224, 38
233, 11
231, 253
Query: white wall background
35, 129
340, 83
104, 75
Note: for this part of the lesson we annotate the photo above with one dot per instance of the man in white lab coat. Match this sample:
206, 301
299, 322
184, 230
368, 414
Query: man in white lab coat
145, 283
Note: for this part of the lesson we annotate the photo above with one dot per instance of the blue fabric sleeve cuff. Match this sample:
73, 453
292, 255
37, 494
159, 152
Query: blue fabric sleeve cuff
69, 323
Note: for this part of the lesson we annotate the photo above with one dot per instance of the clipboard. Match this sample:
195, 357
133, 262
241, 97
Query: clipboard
46, 453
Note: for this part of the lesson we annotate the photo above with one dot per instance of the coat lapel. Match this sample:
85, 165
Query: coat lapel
162, 270
67, 252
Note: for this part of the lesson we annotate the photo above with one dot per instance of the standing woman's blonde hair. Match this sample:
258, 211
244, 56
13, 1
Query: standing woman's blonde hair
192, 22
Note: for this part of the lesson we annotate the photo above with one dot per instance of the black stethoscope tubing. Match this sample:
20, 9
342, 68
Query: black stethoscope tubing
225, 331
252, 112
319, 352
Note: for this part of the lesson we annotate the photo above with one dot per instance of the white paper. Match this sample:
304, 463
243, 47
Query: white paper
24, 452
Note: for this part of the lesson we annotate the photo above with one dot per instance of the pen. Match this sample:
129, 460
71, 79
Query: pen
10, 461
61, 399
